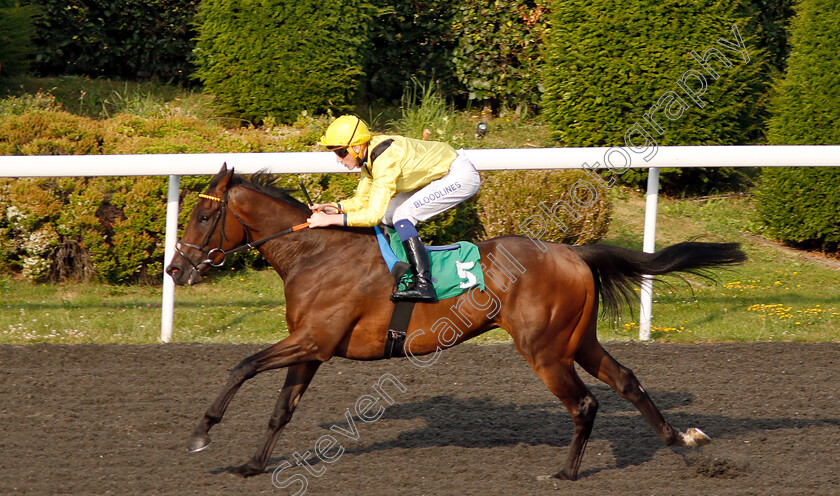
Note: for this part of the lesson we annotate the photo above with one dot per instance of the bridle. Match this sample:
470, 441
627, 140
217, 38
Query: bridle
213, 252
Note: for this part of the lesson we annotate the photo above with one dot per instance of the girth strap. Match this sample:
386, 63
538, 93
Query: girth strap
395, 339
398, 327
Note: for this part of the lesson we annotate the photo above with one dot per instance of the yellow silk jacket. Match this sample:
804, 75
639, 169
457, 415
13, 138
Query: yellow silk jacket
406, 165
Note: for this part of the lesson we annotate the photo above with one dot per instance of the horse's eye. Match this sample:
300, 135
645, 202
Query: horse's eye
203, 218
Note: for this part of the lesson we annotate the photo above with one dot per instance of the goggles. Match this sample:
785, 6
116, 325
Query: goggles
340, 151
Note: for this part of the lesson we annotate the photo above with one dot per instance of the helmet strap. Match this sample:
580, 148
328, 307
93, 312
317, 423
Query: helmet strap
352, 148
360, 155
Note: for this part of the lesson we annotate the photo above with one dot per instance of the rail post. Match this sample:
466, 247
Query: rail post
649, 246
167, 306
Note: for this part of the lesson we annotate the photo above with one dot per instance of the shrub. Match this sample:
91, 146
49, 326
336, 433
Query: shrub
129, 134
111, 228
49, 219
800, 205
16, 31
26, 226
117, 38
772, 19
461, 223
18, 105
805, 107
602, 78
417, 34
498, 58
280, 57
510, 202
50, 132
134, 236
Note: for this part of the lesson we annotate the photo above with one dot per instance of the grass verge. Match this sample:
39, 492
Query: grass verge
777, 295
230, 307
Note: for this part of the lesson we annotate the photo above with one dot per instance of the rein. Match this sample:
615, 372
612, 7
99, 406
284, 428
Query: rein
219, 250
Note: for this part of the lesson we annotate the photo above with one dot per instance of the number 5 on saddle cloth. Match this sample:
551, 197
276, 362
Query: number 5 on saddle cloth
455, 269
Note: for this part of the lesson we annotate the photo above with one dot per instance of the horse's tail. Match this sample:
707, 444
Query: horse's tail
618, 271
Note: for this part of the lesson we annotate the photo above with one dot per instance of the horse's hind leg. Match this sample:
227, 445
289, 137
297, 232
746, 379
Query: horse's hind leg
297, 380
595, 360
290, 351
562, 379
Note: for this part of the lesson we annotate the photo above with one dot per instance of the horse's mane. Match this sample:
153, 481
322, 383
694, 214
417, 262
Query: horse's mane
264, 182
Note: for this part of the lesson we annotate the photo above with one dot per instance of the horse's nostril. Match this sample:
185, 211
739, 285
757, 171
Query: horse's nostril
172, 270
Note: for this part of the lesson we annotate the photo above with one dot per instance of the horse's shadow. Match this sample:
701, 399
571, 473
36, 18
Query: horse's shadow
486, 423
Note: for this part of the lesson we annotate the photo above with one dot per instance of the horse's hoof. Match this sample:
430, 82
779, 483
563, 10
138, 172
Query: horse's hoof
198, 442
561, 475
694, 438
243, 471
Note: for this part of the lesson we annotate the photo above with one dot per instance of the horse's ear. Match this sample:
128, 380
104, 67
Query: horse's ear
225, 174
225, 170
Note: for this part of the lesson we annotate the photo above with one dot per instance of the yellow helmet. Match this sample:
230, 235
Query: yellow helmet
347, 130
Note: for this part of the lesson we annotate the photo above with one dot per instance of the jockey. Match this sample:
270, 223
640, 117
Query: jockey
404, 181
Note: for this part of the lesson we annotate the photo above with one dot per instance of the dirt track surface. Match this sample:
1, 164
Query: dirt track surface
103, 419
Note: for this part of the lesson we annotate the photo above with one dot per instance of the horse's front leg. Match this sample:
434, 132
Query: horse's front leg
293, 350
297, 379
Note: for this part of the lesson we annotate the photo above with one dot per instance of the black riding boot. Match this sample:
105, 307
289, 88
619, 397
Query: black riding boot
421, 288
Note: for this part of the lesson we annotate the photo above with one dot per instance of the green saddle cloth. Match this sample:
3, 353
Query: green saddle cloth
455, 268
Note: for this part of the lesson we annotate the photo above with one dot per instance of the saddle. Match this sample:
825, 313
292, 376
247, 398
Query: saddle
456, 268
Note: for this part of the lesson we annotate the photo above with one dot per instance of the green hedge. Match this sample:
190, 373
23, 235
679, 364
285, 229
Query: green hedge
805, 107
610, 62
277, 58
84, 220
409, 40
801, 205
280, 57
498, 58
16, 31
116, 38
771, 19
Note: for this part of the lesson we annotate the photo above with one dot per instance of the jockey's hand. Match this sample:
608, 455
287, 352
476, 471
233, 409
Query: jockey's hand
324, 207
323, 219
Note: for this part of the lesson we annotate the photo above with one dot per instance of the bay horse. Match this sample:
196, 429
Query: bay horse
337, 287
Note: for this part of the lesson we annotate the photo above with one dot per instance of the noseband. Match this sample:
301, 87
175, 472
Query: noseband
220, 217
